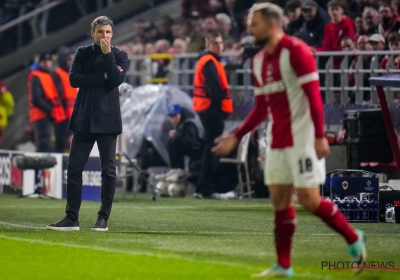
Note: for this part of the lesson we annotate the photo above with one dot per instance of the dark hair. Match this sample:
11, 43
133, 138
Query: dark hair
347, 38
393, 37
335, 4
212, 36
292, 5
101, 21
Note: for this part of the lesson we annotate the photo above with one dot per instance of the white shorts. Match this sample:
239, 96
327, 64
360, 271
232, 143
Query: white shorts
297, 166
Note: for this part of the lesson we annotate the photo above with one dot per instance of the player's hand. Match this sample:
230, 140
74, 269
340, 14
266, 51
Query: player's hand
120, 69
321, 147
172, 133
224, 144
105, 45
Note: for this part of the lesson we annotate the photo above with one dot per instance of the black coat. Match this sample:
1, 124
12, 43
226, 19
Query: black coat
96, 108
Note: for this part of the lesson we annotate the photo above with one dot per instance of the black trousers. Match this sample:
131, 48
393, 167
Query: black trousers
82, 144
42, 130
177, 152
62, 135
213, 127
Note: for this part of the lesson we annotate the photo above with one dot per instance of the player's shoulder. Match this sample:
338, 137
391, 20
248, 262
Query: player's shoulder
295, 44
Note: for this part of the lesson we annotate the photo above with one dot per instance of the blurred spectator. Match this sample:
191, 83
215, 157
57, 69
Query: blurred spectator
164, 28
363, 44
371, 20
225, 23
138, 29
6, 108
293, 10
67, 95
234, 9
179, 46
187, 137
389, 20
315, 20
161, 66
377, 41
348, 44
45, 106
359, 26
195, 8
149, 49
178, 29
339, 27
393, 40
151, 33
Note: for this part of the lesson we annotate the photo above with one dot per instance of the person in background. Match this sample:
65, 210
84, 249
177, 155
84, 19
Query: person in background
45, 106
67, 95
6, 108
186, 139
212, 101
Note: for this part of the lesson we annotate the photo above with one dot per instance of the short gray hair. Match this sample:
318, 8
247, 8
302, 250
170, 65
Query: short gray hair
101, 21
268, 11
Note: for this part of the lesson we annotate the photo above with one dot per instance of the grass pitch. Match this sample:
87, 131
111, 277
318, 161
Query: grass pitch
174, 239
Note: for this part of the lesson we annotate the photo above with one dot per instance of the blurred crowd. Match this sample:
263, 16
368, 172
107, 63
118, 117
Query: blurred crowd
324, 25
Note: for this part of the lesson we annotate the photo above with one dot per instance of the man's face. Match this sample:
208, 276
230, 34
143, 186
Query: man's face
394, 46
216, 45
179, 46
294, 14
363, 44
178, 31
377, 46
102, 32
371, 19
210, 24
46, 64
347, 45
335, 13
259, 28
309, 14
359, 23
385, 12
175, 119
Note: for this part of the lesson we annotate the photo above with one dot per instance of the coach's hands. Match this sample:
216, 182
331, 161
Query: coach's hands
105, 45
224, 144
321, 147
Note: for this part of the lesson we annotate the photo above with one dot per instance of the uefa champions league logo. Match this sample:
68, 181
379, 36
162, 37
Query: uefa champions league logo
345, 185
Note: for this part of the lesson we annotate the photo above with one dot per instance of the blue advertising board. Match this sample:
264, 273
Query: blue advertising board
91, 178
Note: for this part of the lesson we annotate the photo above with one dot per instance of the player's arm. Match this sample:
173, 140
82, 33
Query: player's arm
78, 79
303, 63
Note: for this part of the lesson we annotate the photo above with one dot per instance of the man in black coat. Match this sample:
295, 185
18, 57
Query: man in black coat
97, 70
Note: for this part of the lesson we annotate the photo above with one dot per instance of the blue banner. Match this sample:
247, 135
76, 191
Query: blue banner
91, 179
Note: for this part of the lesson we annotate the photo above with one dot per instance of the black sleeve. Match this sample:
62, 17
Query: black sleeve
78, 79
213, 84
116, 77
189, 135
38, 99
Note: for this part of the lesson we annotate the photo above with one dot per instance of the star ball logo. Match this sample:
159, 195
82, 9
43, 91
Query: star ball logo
345, 265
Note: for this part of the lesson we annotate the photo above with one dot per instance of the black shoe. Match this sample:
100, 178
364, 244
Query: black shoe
100, 225
64, 224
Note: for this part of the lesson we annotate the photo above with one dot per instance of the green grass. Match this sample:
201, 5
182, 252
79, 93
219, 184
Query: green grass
174, 239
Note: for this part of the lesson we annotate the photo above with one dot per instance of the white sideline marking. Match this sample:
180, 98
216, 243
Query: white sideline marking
171, 256
143, 207
173, 231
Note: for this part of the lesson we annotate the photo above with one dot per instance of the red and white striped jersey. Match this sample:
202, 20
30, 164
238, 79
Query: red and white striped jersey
287, 89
